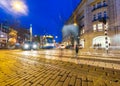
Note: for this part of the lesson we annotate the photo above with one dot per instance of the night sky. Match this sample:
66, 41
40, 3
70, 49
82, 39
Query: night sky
46, 16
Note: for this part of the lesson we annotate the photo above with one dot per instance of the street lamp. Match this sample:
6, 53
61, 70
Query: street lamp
30, 32
19, 6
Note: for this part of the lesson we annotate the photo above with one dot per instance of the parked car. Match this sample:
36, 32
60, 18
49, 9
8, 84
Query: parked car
28, 45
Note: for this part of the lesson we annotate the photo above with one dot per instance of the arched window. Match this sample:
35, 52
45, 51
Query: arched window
99, 41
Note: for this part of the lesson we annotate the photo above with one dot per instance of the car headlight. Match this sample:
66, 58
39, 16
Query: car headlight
34, 46
26, 46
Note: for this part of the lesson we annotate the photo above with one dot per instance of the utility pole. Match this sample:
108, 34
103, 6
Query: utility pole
106, 34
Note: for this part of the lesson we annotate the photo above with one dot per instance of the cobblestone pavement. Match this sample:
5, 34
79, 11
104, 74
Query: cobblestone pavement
37, 69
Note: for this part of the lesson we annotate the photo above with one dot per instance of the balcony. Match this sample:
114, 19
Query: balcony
81, 17
100, 6
94, 20
99, 18
82, 26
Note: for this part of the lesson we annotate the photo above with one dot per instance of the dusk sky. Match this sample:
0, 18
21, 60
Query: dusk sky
46, 16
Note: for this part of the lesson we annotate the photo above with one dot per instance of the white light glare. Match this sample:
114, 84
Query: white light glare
14, 6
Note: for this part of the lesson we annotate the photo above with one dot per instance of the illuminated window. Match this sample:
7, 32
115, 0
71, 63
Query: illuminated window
99, 42
100, 27
94, 27
83, 31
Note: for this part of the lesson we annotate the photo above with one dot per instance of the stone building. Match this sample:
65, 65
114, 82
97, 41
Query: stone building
88, 16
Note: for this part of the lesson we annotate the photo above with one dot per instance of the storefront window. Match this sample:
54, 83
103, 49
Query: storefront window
94, 27
100, 27
83, 31
99, 42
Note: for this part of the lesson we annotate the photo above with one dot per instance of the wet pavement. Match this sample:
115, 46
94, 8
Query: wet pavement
51, 68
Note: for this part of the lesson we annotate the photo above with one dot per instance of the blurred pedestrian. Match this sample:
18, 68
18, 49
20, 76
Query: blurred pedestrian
76, 50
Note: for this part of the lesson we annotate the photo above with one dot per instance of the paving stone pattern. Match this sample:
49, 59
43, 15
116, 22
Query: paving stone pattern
21, 70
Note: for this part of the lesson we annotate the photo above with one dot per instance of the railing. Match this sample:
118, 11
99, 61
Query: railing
100, 6
81, 17
99, 18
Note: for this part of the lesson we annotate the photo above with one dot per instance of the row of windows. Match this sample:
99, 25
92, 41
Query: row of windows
99, 4
5, 30
100, 15
98, 27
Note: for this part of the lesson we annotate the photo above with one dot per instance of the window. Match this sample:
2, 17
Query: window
99, 42
94, 7
94, 27
94, 17
105, 14
99, 4
104, 3
99, 15
83, 31
100, 27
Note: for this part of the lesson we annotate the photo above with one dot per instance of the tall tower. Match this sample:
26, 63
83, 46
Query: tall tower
30, 32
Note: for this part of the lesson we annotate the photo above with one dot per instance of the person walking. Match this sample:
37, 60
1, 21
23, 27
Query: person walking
76, 50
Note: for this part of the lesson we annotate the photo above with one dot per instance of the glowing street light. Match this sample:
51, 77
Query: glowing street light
14, 6
75, 23
56, 36
19, 6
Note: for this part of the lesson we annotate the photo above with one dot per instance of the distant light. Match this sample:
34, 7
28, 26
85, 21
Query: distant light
75, 24
54, 40
34, 46
35, 35
56, 36
1, 35
26, 46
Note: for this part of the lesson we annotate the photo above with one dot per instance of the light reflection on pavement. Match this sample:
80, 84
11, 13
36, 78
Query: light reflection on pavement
56, 55
35, 67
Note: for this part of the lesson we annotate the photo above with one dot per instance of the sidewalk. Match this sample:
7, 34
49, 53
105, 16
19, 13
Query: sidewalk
110, 60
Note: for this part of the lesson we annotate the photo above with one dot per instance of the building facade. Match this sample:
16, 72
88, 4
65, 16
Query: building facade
88, 16
3, 35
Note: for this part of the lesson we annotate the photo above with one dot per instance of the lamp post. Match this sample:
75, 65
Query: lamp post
30, 32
